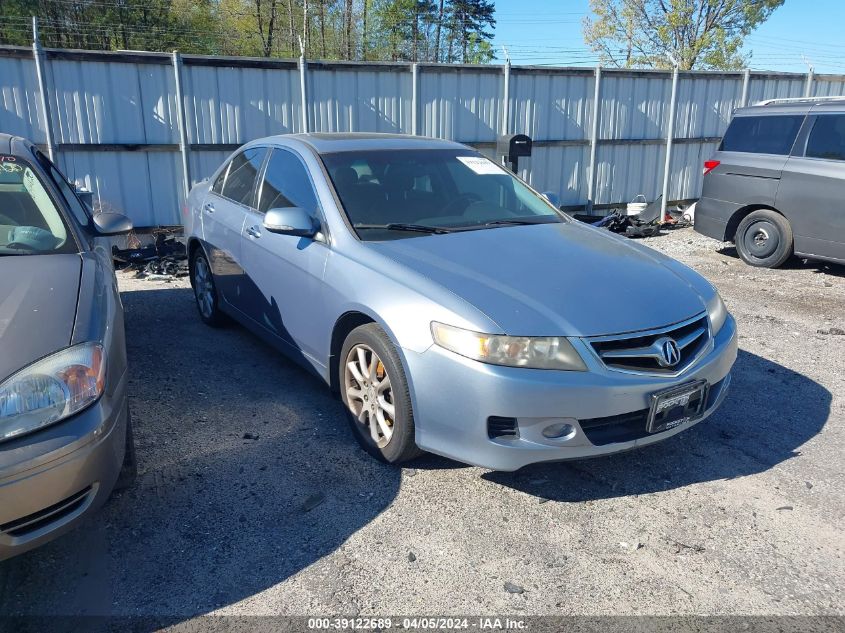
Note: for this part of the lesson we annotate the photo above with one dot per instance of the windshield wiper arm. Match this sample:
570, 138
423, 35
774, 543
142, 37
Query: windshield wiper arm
506, 222
399, 226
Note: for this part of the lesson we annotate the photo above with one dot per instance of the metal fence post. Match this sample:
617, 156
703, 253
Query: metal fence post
303, 71
667, 168
808, 86
38, 56
184, 147
506, 98
746, 80
415, 81
594, 140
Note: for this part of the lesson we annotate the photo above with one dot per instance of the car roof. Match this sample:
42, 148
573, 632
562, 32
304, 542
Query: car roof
324, 143
799, 105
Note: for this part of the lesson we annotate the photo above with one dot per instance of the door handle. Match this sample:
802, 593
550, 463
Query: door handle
253, 231
208, 207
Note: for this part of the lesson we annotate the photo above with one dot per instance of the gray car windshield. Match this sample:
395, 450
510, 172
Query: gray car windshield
30, 222
405, 193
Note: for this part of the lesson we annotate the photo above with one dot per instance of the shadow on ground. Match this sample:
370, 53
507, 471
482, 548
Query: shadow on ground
796, 263
248, 474
769, 413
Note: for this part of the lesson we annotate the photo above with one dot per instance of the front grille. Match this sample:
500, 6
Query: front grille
642, 352
37, 520
501, 427
616, 428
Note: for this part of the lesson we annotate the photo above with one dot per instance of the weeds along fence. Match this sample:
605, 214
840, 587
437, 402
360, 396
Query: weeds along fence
139, 128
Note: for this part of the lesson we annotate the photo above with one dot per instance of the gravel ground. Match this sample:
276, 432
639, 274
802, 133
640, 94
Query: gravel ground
253, 497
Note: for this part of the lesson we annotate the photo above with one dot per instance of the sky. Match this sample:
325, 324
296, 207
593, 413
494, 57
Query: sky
799, 33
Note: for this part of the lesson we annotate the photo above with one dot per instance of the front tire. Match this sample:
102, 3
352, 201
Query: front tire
764, 239
375, 393
205, 291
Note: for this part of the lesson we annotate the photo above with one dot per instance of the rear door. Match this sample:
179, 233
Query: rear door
751, 157
223, 215
812, 189
285, 271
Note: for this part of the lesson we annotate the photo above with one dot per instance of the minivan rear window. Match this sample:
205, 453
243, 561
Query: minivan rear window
827, 140
772, 134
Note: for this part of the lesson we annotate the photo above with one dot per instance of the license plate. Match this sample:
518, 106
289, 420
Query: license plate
677, 405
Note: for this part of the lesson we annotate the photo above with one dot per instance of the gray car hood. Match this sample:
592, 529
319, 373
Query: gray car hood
553, 279
38, 295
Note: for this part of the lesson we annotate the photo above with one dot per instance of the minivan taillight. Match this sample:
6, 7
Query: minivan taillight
710, 165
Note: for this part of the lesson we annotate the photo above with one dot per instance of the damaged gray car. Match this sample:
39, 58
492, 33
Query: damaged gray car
65, 433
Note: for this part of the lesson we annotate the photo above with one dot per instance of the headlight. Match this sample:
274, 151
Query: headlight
717, 312
535, 352
51, 389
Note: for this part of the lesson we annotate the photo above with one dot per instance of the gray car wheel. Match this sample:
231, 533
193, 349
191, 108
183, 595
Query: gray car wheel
374, 390
205, 291
764, 239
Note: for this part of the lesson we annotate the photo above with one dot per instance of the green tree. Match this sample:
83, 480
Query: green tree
661, 33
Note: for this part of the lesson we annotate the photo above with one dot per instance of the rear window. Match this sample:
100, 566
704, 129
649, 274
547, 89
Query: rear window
762, 134
30, 222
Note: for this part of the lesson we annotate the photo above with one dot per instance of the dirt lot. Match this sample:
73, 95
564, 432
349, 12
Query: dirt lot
741, 515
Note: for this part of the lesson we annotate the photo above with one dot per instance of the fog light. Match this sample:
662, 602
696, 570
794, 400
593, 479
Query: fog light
559, 431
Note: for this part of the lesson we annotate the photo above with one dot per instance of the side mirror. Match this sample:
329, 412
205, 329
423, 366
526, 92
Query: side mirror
112, 223
290, 221
552, 197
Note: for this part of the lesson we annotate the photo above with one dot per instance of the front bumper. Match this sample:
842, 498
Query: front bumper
52, 479
453, 398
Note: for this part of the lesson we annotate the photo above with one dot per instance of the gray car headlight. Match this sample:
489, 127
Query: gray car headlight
51, 389
717, 312
534, 352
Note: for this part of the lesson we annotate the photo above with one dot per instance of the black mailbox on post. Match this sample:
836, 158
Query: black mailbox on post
512, 147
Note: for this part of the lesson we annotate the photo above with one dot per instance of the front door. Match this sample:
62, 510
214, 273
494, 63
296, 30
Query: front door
812, 190
287, 270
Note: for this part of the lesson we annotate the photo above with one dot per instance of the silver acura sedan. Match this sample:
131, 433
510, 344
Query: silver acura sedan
65, 436
452, 307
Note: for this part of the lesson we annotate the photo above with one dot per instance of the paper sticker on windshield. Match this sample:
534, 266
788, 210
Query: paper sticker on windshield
481, 165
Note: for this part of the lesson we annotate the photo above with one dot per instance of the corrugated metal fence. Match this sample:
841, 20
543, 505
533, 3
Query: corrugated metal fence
115, 123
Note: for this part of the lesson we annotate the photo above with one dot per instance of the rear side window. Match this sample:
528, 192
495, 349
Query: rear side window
762, 134
827, 140
286, 184
240, 181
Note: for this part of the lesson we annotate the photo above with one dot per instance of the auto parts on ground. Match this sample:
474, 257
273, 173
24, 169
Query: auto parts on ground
646, 222
165, 258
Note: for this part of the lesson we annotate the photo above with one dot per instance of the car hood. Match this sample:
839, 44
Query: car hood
38, 295
554, 279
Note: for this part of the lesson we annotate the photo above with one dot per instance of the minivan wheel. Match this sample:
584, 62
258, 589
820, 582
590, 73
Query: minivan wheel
375, 393
205, 292
764, 239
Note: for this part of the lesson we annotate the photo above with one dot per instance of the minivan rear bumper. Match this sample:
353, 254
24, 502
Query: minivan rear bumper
712, 216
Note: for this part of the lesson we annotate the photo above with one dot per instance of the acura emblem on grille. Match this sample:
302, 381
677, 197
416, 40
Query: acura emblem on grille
670, 354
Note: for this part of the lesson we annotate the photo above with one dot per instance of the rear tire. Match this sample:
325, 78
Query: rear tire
205, 291
375, 394
764, 239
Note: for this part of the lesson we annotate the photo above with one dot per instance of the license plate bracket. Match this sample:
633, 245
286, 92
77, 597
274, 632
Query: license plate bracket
677, 405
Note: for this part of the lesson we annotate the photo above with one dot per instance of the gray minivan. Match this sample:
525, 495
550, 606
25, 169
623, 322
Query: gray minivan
776, 185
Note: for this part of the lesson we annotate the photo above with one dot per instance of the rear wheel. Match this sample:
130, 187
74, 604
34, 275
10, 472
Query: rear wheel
205, 291
375, 392
764, 239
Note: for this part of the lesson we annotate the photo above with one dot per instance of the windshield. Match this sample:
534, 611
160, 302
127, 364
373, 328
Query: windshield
419, 192
30, 223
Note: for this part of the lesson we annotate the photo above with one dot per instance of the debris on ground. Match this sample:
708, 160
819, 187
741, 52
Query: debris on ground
678, 546
784, 508
512, 588
165, 259
834, 331
313, 501
646, 222
411, 557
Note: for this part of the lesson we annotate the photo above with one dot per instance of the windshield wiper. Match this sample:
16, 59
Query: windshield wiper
547, 219
399, 226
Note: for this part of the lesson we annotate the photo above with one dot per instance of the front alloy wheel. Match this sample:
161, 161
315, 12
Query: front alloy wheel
368, 393
375, 392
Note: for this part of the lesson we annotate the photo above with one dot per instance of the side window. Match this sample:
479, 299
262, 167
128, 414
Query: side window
827, 139
218, 184
286, 184
240, 182
68, 192
770, 134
